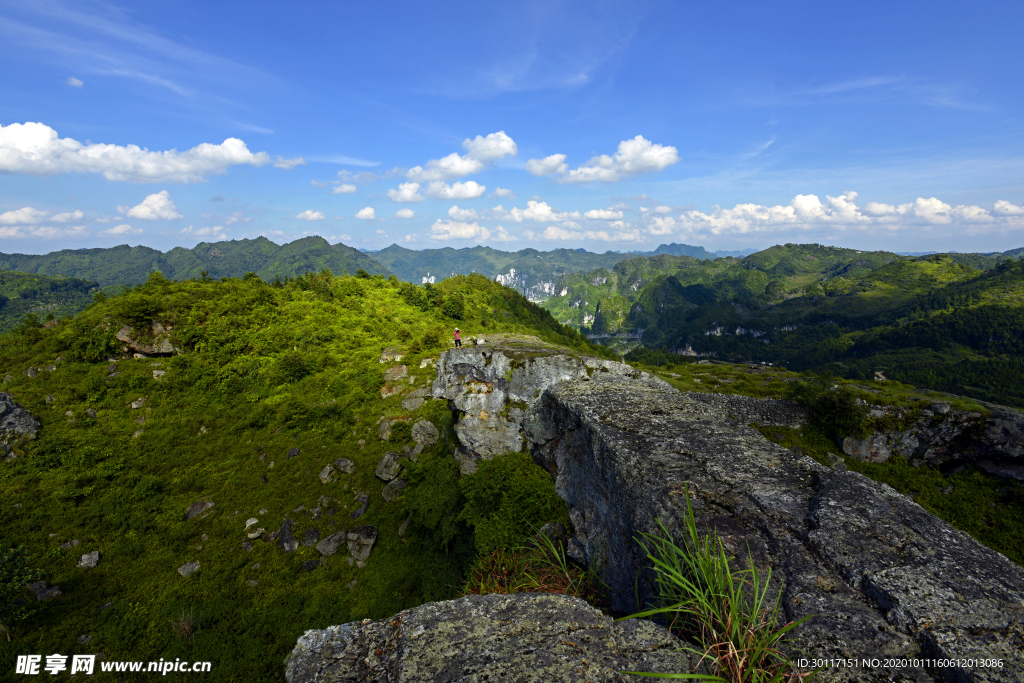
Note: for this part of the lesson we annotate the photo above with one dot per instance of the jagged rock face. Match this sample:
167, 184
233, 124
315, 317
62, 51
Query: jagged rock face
949, 439
882, 577
158, 342
491, 387
15, 422
527, 638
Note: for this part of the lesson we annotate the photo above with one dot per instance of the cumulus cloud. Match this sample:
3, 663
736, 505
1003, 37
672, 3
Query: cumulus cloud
344, 188
217, 232
367, 213
123, 229
503, 192
74, 82
457, 230
76, 215
311, 215
44, 231
633, 156
603, 214
405, 213
537, 211
501, 235
154, 207
662, 209
548, 165
406, 192
480, 151
553, 232
36, 149
808, 211
457, 214
461, 190
26, 215
287, 164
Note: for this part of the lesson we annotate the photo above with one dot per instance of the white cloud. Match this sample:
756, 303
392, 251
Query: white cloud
22, 216
405, 213
123, 229
35, 148
503, 192
479, 152
548, 165
553, 232
344, 188
406, 192
217, 232
68, 217
461, 190
663, 209
74, 82
621, 236
494, 146
46, 232
457, 214
287, 164
603, 214
634, 156
1005, 208
154, 207
808, 211
537, 211
310, 215
367, 213
500, 235
457, 230
236, 217
347, 238
380, 232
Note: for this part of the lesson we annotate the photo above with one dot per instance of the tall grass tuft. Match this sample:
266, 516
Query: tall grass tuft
726, 612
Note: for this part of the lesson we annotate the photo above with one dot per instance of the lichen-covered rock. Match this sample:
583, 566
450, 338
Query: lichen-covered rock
157, 342
393, 489
388, 466
881, 576
492, 386
525, 638
425, 434
15, 423
360, 542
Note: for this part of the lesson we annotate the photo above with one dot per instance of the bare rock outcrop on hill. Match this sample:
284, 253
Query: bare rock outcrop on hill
15, 423
882, 578
528, 638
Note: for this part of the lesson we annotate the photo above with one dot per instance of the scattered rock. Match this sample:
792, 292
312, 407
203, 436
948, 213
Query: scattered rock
389, 390
835, 462
309, 565
44, 591
396, 373
256, 533
360, 542
69, 544
252, 582
158, 340
189, 568
404, 526
249, 522
140, 420
137, 434
50, 398
554, 531
413, 403
384, 430
364, 501
138, 403
310, 537
428, 362
345, 466
198, 507
15, 423
85, 639
246, 545
325, 474
157, 374
31, 372
284, 537
393, 489
329, 545
388, 466
91, 412
391, 353
263, 511
523, 637
301, 508
292, 453
89, 560
940, 408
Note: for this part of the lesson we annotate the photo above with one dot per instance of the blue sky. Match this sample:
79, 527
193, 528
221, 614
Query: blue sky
604, 125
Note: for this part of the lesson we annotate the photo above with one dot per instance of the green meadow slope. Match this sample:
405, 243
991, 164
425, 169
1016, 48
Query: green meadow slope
273, 383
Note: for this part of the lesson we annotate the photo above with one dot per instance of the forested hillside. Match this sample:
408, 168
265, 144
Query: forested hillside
22, 294
277, 407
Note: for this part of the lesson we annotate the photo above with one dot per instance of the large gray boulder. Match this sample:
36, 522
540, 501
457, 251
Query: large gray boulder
154, 342
491, 386
526, 638
15, 423
882, 577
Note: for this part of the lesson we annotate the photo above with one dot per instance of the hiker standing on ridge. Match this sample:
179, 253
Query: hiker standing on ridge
458, 342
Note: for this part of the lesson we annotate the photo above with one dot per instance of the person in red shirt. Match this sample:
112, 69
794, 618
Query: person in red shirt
458, 342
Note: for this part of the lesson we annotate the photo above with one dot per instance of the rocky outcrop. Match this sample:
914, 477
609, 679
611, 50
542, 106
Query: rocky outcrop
491, 386
951, 439
527, 638
881, 577
15, 423
153, 342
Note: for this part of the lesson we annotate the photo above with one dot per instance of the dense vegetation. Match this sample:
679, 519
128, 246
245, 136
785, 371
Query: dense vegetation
22, 294
264, 369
